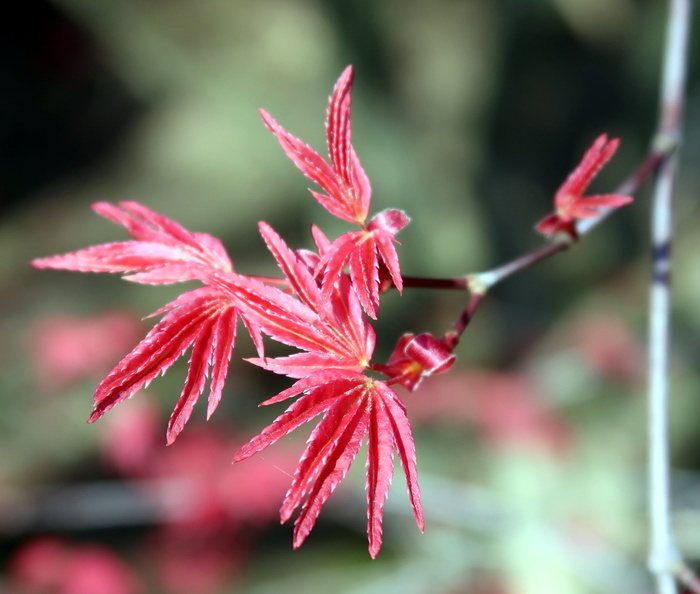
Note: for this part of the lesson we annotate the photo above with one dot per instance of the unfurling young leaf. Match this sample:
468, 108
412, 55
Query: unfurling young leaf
569, 202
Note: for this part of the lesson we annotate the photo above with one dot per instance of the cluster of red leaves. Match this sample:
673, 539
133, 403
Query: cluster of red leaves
318, 308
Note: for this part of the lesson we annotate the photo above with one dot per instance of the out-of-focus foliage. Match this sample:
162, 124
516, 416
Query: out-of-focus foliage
467, 115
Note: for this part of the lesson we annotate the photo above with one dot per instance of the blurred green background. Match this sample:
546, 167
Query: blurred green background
467, 115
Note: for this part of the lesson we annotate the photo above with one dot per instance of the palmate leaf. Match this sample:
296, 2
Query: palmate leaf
347, 189
163, 253
347, 196
203, 319
353, 406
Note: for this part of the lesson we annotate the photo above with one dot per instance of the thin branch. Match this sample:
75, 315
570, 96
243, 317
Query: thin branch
664, 559
494, 276
453, 336
418, 282
686, 577
661, 151
659, 154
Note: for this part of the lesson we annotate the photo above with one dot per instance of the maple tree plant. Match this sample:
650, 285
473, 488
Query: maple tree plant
322, 306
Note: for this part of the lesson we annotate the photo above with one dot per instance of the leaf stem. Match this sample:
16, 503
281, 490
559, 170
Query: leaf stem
459, 283
492, 277
451, 338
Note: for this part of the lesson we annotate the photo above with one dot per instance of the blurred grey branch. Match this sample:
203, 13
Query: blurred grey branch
664, 558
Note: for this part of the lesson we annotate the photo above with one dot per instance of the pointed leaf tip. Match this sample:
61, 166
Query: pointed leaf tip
95, 415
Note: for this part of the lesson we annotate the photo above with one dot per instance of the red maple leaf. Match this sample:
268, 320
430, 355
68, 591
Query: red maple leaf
203, 319
346, 185
569, 202
347, 196
163, 253
353, 406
